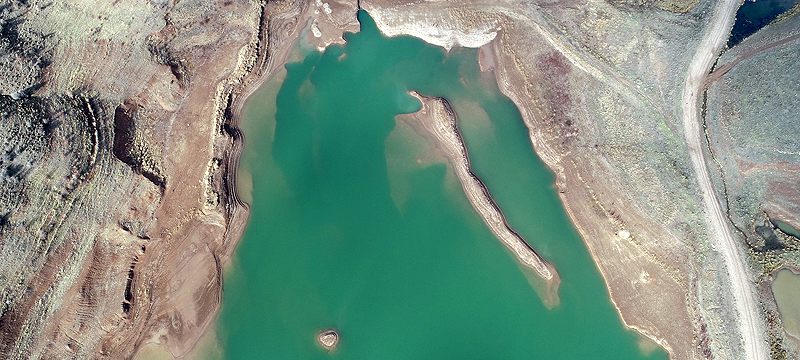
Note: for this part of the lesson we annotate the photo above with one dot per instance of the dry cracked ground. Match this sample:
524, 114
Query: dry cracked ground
119, 146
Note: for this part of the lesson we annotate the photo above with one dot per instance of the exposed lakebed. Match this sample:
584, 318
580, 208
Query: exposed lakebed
354, 228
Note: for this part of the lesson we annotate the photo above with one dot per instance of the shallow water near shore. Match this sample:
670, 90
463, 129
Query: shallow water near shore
786, 228
786, 288
372, 238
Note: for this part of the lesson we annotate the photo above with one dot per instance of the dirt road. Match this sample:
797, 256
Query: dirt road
755, 348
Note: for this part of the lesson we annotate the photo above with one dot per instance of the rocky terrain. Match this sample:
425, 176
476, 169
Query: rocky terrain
116, 208
751, 126
119, 152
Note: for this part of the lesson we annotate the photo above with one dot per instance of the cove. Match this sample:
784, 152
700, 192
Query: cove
357, 225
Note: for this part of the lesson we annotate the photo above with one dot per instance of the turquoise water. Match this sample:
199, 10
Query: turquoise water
350, 231
785, 227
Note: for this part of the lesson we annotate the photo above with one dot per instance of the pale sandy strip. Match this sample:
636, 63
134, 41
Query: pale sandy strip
441, 126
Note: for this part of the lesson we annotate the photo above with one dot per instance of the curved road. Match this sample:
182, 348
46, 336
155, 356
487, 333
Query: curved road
721, 236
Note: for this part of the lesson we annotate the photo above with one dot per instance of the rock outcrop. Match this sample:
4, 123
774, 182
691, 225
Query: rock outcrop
117, 163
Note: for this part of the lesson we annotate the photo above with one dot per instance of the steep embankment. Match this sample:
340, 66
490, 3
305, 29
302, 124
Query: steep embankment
117, 207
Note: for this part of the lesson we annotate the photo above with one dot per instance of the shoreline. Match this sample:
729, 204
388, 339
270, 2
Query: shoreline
553, 163
252, 83
438, 120
266, 60
603, 232
495, 66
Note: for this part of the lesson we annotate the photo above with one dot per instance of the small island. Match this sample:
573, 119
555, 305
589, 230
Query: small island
328, 339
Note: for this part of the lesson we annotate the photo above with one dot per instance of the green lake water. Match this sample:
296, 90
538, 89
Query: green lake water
786, 288
349, 231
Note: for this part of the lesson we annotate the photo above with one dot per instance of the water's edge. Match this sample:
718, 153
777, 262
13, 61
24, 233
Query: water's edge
234, 126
